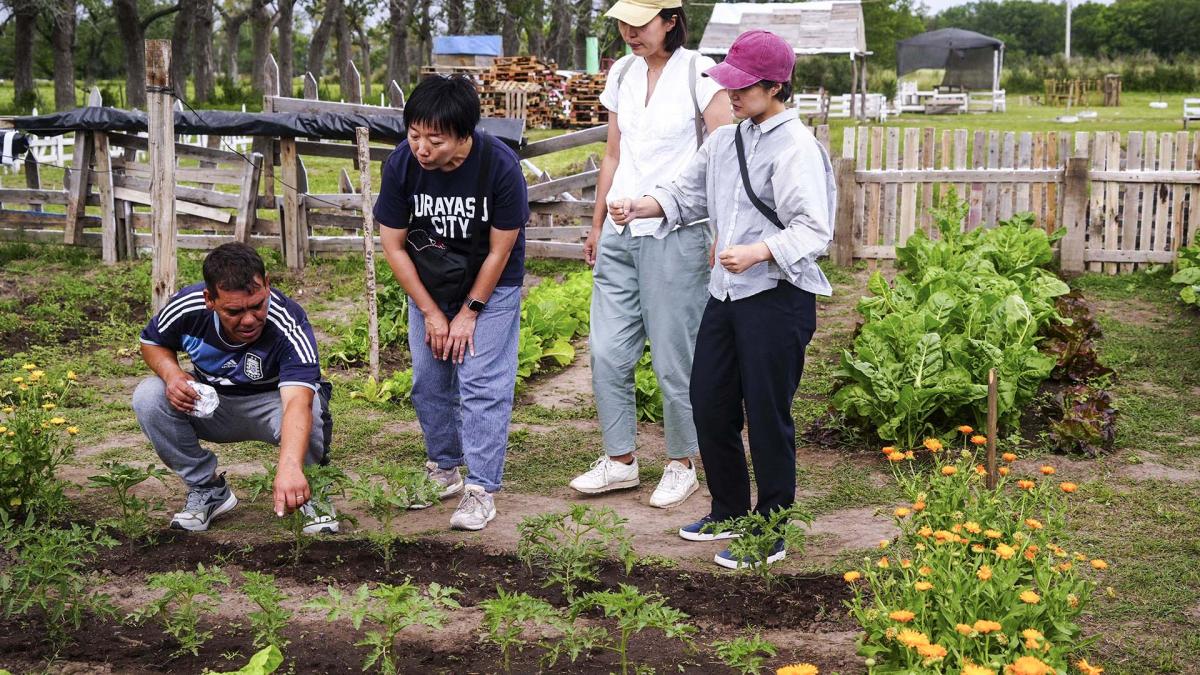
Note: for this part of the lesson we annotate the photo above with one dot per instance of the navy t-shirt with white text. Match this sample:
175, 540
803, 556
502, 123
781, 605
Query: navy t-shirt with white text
443, 202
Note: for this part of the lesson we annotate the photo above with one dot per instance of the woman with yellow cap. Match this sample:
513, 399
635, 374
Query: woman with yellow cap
649, 283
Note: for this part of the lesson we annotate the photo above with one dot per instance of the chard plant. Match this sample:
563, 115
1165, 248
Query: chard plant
392, 608
385, 490
570, 545
264, 662
46, 577
759, 534
187, 596
135, 521
270, 619
635, 611
745, 653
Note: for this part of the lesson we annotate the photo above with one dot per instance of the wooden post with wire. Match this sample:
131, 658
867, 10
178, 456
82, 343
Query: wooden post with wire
362, 138
162, 171
992, 424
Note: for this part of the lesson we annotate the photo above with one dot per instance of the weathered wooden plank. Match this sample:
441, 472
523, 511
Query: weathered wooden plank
41, 220
1146, 217
213, 198
1053, 144
1162, 195
945, 162
908, 191
1178, 192
344, 221
285, 104
1008, 160
553, 188
554, 249
875, 253
108, 208
978, 161
574, 139
960, 161
927, 162
843, 231
848, 137
1193, 198
1024, 161
991, 193
1113, 257
1133, 195
566, 209
189, 174
293, 231
1038, 161
891, 160
992, 176
248, 198
78, 179
182, 150
31, 197
145, 198
33, 179
340, 150
874, 192
558, 232
860, 190
1074, 216
1112, 203
1095, 229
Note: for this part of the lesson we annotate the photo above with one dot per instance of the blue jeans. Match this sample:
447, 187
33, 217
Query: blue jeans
479, 391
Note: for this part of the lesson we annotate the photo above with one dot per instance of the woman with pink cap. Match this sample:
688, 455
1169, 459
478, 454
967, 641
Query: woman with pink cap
649, 281
768, 186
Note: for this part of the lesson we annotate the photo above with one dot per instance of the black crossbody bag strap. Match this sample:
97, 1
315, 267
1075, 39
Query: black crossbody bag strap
481, 238
758, 203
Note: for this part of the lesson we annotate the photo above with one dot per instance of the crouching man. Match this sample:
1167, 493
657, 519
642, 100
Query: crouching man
253, 346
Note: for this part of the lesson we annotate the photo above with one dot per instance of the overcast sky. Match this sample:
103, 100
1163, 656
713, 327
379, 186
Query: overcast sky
938, 5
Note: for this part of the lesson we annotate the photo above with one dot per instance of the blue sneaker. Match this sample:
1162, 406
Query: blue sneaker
727, 559
696, 531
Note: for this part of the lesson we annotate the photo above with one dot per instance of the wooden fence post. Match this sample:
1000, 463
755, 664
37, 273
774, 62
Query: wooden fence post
843, 226
395, 95
352, 88
294, 232
271, 83
310, 86
109, 251
162, 172
1074, 218
363, 139
248, 209
33, 181
80, 178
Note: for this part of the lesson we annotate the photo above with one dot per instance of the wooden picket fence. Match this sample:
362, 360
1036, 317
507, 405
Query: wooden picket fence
1139, 195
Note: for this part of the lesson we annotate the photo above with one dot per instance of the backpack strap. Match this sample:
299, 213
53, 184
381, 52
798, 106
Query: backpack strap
758, 203
621, 75
692, 80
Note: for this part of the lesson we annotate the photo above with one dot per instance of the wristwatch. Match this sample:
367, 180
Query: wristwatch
475, 305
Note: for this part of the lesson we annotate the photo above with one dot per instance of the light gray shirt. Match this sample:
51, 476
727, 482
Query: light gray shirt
790, 172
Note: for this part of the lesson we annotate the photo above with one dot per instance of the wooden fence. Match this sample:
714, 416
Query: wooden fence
1139, 189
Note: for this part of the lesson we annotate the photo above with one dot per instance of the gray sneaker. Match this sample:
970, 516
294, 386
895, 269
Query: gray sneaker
320, 517
203, 504
450, 480
475, 511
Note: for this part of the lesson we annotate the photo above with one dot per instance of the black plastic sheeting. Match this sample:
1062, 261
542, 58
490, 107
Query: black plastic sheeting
966, 56
331, 126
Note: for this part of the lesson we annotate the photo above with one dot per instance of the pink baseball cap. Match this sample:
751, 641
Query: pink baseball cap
755, 55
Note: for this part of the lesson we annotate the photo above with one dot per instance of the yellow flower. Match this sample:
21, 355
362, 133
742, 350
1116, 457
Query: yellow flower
905, 563
883, 563
48, 406
925, 531
18, 380
852, 576
1003, 471
36, 375
1072, 600
8, 410
965, 429
1087, 668
992, 534
979, 440
896, 457
72, 376
918, 506
925, 570
1027, 665
923, 586
949, 471
1030, 598
972, 527
1008, 457
1032, 634
964, 629
1068, 487
984, 573
1047, 470
933, 445
798, 669
912, 638
978, 548
72, 430
972, 669
29, 366
901, 615
1005, 552
883, 543
3, 429
1026, 484
57, 420
931, 652
984, 626
1099, 564
901, 512
1033, 524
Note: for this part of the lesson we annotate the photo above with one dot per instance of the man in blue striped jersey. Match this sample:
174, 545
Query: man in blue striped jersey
254, 346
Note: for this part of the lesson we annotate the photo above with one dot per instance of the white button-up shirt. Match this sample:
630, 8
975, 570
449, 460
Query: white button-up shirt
658, 136
791, 173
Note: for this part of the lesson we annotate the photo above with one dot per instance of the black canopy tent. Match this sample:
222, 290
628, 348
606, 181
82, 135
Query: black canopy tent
970, 60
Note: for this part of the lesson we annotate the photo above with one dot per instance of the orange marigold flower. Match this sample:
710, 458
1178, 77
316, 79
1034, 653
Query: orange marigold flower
1033, 524
1030, 598
896, 457
925, 531
978, 548
1032, 634
901, 615
883, 543
931, 652
798, 669
1087, 668
933, 445
1005, 552
889, 450
908, 454
925, 570
1068, 487
984, 573
984, 626
992, 534
905, 563
972, 669
1031, 552
918, 506
964, 629
912, 638
1003, 471
972, 527
1072, 600
1047, 470
1099, 564
979, 440
901, 512
883, 563
1008, 457
852, 576
1027, 665
979, 469
923, 586
1025, 484
964, 429
949, 471
1064, 567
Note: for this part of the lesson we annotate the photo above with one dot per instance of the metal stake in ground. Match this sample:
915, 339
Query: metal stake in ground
993, 395
363, 139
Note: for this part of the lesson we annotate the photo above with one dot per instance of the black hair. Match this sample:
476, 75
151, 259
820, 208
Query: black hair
677, 36
448, 104
785, 89
235, 267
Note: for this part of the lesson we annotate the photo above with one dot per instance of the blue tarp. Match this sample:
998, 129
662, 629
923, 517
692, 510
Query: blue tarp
479, 45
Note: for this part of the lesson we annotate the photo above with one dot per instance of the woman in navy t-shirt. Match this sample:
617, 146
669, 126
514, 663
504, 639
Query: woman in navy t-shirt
442, 190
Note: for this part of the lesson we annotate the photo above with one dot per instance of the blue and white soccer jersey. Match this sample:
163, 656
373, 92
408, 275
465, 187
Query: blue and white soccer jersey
285, 354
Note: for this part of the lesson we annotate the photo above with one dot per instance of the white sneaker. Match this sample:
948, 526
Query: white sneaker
475, 511
449, 480
677, 484
607, 474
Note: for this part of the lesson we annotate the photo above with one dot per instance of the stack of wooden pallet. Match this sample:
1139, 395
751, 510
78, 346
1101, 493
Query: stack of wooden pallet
474, 72
513, 80
583, 100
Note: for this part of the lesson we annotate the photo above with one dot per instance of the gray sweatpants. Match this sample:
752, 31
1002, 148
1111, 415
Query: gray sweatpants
176, 436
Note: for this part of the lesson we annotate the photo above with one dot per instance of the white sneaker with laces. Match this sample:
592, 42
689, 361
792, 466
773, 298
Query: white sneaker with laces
677, 484
475, 511
449, 480
607, 474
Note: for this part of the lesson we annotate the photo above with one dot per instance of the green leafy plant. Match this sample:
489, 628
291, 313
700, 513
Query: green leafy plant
635, 611
264, 662
186, 597
1072, 341
506, 617
757, 536
745, 654
385, 490
1084, 420
46, 576
1187, 265
270, 619
135, 521
551, 316
647, 396
326, 481
396, 388
392, 608
34, 442
570, 545
392, 307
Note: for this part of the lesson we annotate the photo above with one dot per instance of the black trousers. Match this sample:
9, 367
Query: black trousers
750, 353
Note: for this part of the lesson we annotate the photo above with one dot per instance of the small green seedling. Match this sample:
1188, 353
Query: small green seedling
757, 535
571, 545
385, 490
635, 611
745, 654
323, 481
187, 596
505, 618
270, 619
135, 521
392, 608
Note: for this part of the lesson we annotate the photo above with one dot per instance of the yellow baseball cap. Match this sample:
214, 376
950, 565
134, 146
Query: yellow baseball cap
640, 12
